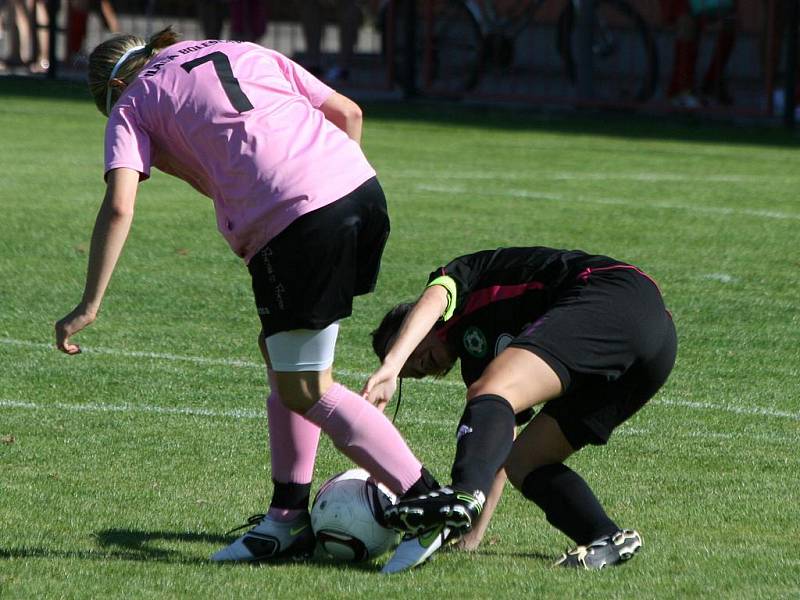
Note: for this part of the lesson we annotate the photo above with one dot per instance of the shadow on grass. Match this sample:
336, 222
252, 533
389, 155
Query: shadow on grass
123, 544
132, 545
492, 552
622, 124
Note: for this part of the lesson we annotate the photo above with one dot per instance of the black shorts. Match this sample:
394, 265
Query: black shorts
612, 343
307, 275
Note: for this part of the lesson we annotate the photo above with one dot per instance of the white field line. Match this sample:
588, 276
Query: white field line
251, 414
98, 407
720, 277
739, 410
582, 176
639, 203
658, 177
197, 360
246, 413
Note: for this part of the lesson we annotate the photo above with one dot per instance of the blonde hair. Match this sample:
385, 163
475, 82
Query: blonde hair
107, 55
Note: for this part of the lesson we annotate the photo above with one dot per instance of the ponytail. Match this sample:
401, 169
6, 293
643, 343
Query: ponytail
162, 39
122, 57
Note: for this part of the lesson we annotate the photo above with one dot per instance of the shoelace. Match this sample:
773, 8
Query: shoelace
251, 521
399, 398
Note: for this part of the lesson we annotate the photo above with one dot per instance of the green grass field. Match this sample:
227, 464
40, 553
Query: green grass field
121, 469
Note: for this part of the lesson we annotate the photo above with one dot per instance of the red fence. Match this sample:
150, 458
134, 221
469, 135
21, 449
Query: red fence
627, 54
724, 61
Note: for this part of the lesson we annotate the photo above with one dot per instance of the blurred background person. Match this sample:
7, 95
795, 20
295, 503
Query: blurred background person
26, 27
349, 17
690, 18
77, 21
773, 59
248, 20
9, 30
211, 15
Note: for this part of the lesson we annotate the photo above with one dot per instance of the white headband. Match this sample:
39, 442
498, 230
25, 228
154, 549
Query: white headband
114, 71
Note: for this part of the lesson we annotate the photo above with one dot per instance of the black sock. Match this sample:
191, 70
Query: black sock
568, 503
291, 496
485, 436
426, 483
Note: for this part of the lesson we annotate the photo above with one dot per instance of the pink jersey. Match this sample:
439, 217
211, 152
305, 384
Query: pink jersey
240, 123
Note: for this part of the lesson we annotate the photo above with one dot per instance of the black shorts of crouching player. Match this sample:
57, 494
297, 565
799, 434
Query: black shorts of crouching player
612, 343
307, 275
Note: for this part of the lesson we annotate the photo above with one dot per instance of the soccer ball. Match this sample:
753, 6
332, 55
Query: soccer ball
347, 516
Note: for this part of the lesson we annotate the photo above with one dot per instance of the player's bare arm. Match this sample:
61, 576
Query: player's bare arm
345, 114
426, 312
473, 538
108, 238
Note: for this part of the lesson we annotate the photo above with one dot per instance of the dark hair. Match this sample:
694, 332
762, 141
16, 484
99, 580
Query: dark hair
387, 330
105, 56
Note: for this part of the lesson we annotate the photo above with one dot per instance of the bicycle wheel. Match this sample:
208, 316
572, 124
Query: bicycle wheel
625, 58
448, 46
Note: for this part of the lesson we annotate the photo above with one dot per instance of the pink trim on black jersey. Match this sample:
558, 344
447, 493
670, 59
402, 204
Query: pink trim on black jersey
584, 275
496, 293
483, 297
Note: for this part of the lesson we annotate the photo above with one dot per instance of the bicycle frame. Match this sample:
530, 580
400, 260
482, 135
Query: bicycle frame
457, 41
491, 21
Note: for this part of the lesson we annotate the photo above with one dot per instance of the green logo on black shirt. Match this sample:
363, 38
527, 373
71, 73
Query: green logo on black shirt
475, 342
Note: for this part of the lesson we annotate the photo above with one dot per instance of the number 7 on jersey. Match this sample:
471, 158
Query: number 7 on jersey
230, 85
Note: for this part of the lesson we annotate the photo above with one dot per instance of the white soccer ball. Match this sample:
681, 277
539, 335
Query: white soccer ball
346, 517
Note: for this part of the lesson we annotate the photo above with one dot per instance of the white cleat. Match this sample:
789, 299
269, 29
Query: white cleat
270, 540
414, 551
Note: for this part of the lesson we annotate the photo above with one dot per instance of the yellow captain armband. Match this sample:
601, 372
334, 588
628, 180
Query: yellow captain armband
449, 284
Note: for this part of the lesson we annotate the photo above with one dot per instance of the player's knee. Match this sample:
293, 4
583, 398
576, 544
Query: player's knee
491, 386
485, 386
299, 391
301, 361
519, 376
486, 403
294, 397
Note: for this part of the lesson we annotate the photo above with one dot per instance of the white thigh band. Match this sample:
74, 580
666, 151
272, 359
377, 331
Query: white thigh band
303, 349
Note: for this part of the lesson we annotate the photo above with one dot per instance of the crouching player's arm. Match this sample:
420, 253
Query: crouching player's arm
472, 539
110, 232
416, 326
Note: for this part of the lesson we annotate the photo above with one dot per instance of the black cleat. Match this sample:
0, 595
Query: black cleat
610, 550
454, 509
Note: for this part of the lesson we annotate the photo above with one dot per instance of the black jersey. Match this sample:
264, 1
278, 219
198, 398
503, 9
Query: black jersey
499, 293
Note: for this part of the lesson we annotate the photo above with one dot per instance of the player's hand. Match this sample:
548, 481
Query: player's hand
71, 324
380, 387
469, 542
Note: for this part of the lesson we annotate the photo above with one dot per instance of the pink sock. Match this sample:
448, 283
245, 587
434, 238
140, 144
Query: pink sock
364, 434
293, 442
